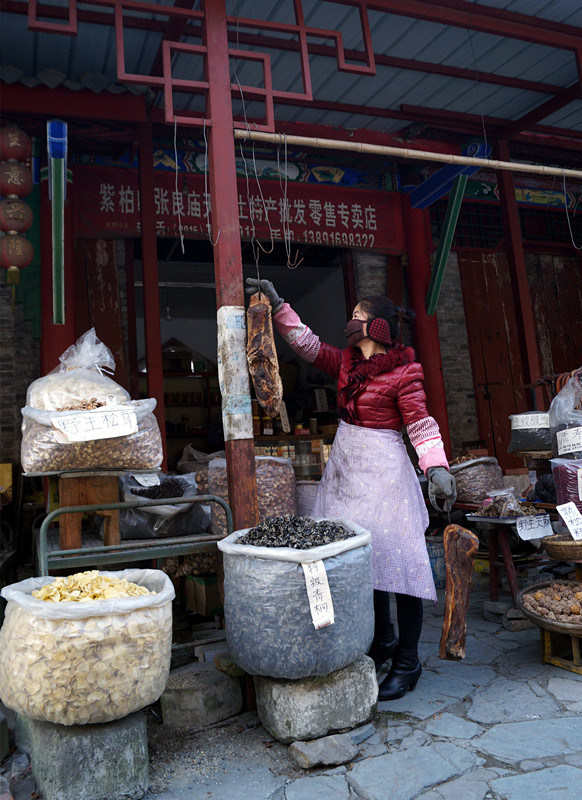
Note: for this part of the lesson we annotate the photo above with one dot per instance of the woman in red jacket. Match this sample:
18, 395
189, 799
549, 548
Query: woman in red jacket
369, 477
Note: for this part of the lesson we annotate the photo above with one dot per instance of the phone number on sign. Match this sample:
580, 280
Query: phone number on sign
336, 238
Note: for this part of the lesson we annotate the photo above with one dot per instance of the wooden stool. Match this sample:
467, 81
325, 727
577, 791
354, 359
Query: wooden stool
556, 647
84, 489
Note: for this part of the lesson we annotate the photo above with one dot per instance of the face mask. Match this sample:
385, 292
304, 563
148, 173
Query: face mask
354, 331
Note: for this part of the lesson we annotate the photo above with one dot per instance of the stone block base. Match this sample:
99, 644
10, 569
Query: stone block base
4, 742
90, 762
199, 694
310, 708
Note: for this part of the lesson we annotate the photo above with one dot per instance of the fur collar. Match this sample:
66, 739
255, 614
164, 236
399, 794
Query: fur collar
381, 362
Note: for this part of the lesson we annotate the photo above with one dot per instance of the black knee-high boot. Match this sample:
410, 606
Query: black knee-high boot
406, 668
385, 640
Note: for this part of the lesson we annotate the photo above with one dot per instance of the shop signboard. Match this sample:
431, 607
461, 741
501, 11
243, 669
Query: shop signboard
108, 205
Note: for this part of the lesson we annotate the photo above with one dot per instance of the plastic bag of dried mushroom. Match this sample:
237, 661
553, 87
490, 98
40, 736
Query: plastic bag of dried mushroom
558, 601
76, 417
89, 648
269, 626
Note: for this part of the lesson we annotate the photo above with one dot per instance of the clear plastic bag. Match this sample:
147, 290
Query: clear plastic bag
275, 488
567, 473
268, 621
91, 662
78, 395
530, 431
164, 520
566, 420
43, 451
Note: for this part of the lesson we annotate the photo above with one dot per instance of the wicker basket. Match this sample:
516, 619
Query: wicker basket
543, 622
477, 477
562, 547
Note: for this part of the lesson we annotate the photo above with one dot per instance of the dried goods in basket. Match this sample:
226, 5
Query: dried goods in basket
536, 603
476, 478
563, 547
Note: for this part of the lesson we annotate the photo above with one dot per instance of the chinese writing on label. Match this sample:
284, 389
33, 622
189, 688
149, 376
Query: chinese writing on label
530, 421
318, 593
569, 441
572, 517
85, 426
534, 527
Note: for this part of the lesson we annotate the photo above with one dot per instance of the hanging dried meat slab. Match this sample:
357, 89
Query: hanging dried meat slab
262, 355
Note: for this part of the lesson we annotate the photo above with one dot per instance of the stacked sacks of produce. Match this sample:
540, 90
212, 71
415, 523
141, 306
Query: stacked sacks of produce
165, 520
275, 489
90, 648
298, 596
78, 418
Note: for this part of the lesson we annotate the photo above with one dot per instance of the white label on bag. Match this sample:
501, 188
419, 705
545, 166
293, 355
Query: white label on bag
146, 479
284, 418
99, 423
572, 518
534, 527
318, 593
530, 421
569, 441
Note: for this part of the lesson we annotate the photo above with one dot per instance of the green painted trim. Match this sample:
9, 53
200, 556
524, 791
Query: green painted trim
445, 243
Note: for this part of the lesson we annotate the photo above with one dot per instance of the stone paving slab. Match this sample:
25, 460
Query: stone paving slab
504, 700
320, 787
451, 726
474, 785
558, 783
422, 703
515, 741
403, 775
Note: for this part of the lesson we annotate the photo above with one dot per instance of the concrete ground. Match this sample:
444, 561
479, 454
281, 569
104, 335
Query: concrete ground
499, 725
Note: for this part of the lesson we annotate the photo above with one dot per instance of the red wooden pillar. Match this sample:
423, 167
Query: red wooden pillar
239, 445
518, 275
149, 257
426, 328
54, 339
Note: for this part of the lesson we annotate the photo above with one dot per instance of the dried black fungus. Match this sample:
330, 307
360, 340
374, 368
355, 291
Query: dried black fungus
172, 487
291, 530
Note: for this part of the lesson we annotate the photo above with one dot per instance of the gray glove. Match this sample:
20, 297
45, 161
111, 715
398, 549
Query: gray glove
267, 288
441, 485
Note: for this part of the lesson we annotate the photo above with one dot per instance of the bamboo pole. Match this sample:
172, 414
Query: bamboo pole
403, 152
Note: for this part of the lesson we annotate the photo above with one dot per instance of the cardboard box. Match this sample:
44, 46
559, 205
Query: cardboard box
202, 595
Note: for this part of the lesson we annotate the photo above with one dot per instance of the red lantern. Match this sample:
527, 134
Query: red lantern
15, 215
16, 252
15, 179
14, 143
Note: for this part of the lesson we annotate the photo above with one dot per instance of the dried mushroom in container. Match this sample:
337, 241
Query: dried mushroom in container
560, 601
504, 504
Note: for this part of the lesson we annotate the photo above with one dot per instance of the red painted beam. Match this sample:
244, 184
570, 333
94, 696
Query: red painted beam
518, 273
485, 19
542, 111
18, 99
425, 328
151, 293
240, 453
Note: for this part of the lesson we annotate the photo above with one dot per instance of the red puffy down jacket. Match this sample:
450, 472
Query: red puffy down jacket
384, 391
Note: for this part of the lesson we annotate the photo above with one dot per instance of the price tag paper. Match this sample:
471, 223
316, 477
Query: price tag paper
572, 518
534, 527
146, 479
569, 441
100, 423
530, 421
318, 593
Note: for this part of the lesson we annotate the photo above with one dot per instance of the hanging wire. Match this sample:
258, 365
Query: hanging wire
178, 195
206, 203
286, 216
477, 81
255, 243
574, 245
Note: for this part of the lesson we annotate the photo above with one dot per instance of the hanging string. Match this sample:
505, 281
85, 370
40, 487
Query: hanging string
178, 195
286, 215
477, 82
206, 203
255, 243
574, 245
